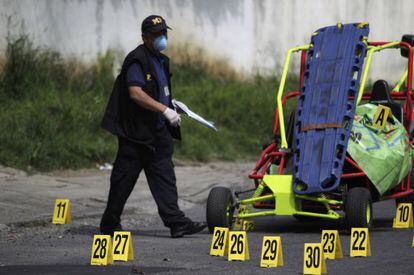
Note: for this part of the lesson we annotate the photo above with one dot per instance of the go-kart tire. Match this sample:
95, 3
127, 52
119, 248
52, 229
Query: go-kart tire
220, 208
358, 208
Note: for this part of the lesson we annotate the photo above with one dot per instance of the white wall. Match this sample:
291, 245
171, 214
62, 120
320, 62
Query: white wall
252, 35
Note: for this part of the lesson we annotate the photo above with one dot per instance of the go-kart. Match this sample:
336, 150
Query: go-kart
316, 166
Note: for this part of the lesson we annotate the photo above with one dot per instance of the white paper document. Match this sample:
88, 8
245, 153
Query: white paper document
181, 107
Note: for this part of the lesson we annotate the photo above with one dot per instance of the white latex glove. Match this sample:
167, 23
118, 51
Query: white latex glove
171, 115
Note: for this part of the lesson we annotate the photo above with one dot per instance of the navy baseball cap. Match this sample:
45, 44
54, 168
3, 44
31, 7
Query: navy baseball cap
153, 23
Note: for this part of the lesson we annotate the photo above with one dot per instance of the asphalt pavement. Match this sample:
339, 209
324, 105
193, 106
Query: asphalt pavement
30, 244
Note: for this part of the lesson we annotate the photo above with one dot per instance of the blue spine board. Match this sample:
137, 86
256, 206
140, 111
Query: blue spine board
325, 112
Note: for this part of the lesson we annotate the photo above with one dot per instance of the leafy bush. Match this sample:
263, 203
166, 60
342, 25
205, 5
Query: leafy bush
51, 110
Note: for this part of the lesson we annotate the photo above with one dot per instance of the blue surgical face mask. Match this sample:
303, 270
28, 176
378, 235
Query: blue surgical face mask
160, 43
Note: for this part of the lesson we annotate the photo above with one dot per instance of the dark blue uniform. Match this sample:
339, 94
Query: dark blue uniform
156, 162
135, 77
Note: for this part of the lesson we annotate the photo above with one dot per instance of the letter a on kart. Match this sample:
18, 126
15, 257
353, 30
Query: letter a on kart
332, 156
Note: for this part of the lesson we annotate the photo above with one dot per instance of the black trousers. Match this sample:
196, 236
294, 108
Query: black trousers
159, 170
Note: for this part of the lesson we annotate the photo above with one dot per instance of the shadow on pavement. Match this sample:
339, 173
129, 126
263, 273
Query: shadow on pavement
289, 225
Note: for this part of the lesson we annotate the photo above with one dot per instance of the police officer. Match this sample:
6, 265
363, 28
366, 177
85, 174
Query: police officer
140, 113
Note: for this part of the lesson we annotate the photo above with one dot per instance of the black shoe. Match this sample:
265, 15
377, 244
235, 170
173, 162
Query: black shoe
109, 230
187, 229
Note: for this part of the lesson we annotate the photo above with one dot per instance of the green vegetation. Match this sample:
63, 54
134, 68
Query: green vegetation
51, 110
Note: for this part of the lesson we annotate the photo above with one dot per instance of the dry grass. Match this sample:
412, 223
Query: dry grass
187, 55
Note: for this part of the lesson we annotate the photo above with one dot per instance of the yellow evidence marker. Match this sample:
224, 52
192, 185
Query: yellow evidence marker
331, 244
61, 212
272, 253
412, 242
238, 248
380, 117
101, 250
404, 216
122, 249
248, 225
360, 243
313, 260
219, 242
237, 225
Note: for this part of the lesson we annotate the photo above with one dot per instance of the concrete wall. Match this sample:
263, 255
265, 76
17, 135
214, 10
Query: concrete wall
251, 35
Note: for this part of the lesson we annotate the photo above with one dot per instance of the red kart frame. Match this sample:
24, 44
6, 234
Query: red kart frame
272, 153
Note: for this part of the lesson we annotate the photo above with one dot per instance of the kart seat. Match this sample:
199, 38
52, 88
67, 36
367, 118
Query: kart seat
381, 95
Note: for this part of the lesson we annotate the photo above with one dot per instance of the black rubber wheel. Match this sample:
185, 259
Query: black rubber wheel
220, 208
358, 208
